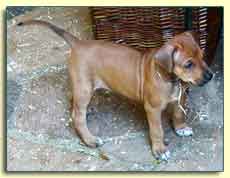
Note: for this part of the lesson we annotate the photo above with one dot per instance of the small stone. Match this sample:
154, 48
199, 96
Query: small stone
18, 50
9, 69
13, 21
50, 17
70, 119
93, 168
201, 153
59, 101
115, 141
31, 107
135, 166
34, 158
62, 119
33, 92
88, 159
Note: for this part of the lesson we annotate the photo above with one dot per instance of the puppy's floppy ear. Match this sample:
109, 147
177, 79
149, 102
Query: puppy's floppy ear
165, 56
193, 34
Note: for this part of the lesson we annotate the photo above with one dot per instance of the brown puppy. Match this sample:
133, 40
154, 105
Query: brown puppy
153, 78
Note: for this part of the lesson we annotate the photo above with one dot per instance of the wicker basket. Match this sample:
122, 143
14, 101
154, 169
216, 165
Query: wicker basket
207, 21
149, 27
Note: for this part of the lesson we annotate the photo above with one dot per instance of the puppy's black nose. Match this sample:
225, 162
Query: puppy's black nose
208, 75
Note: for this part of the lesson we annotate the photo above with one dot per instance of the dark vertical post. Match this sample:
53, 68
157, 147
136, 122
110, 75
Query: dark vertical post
188, 18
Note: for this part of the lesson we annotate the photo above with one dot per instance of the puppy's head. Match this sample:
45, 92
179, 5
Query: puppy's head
183, 57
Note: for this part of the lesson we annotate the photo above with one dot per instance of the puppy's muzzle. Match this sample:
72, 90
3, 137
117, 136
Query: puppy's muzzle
207, 76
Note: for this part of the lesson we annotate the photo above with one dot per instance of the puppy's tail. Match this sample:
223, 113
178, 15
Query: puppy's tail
69, 38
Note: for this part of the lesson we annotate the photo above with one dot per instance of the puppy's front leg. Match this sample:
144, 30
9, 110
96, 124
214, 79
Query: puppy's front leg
178, 118
156, 132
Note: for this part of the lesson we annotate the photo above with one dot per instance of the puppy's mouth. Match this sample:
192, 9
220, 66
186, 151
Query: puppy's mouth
202, 83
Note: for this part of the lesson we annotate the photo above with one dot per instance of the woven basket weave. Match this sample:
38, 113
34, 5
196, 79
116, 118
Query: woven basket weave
149, 27
207, 22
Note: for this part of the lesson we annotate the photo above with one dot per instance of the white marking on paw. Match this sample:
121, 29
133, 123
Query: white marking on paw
165, 156
184, 132
99, 141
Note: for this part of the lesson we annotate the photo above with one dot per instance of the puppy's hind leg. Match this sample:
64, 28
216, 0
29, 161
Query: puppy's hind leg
81, 99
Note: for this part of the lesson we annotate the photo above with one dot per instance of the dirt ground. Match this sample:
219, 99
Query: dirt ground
40, 136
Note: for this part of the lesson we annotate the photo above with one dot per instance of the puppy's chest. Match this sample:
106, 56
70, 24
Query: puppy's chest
170, 92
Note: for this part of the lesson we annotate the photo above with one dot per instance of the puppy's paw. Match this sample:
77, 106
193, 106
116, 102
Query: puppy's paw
164, 156
184, 132
161, 153
94, 142
99, 142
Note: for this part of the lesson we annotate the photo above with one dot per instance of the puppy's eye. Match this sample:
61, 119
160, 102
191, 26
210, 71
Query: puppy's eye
188, 65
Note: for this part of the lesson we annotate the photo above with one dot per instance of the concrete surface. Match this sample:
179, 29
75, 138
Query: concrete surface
40, 136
